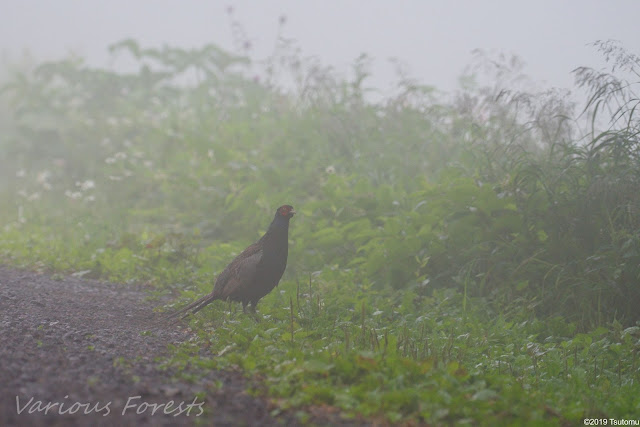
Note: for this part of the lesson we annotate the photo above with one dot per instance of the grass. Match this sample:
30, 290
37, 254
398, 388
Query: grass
393, 355
449, 263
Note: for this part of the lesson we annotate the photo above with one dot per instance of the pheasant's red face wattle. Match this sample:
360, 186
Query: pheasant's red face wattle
286, 210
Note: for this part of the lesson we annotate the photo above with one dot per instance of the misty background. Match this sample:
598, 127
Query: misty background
467, 239
433, 41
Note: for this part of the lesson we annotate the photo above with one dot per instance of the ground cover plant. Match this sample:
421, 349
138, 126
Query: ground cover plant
474, 257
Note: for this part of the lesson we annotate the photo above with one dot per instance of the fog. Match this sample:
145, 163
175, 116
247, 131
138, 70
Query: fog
464, 254
433, 40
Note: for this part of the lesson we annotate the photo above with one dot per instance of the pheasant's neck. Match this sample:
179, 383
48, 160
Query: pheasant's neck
277, 236
279, 223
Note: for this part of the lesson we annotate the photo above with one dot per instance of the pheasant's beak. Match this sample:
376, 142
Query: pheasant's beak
292, 212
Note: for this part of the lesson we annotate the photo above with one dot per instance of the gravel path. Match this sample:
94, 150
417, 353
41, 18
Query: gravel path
90, 346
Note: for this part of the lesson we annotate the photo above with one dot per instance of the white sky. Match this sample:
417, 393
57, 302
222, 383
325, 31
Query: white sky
434, 38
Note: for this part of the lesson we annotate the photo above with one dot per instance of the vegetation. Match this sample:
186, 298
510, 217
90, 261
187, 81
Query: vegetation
474, 259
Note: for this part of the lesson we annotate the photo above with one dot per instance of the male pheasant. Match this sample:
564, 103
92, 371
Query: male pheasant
255, 272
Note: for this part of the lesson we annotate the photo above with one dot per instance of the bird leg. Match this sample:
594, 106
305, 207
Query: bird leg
254, 313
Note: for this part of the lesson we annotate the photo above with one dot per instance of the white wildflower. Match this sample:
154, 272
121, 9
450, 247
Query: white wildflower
75, 195
43, 176
86, 185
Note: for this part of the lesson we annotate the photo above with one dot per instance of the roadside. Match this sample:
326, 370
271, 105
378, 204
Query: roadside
91, 346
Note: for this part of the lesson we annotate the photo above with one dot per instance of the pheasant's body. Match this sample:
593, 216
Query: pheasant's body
256, 271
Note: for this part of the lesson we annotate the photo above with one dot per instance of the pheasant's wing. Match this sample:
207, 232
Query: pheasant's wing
239, 273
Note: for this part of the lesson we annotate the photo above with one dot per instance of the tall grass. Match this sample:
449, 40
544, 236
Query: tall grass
496, 191
447, 253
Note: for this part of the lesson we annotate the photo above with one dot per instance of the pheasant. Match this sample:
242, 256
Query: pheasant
255, 272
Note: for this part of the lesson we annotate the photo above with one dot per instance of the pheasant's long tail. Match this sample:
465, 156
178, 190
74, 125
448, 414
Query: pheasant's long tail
194, 307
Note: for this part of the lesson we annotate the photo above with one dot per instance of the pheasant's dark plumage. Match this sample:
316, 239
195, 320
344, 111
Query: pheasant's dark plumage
256, 271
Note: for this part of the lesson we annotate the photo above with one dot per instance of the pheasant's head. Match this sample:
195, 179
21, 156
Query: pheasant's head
286, 211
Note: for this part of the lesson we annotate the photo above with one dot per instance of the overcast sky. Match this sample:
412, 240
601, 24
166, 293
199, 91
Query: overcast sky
434, 38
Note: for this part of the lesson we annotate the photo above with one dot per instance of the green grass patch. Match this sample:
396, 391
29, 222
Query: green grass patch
473, 258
